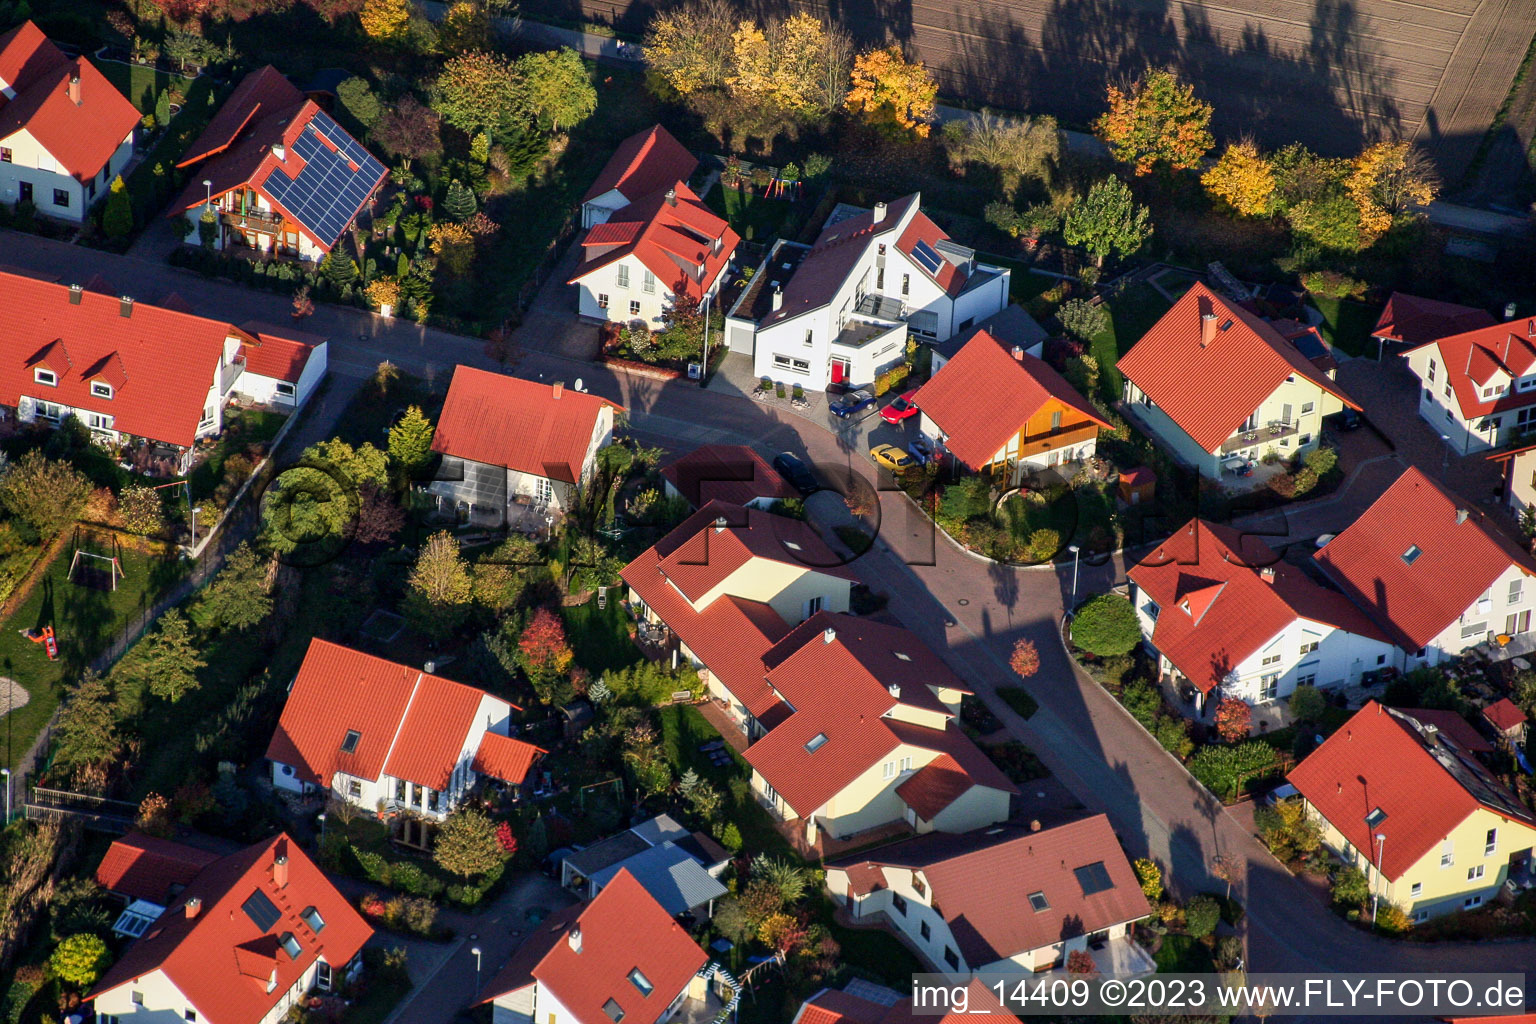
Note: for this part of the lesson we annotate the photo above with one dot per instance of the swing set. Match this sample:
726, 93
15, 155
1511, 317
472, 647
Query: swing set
94, 569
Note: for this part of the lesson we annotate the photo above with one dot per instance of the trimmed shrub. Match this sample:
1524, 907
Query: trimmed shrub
1106, 626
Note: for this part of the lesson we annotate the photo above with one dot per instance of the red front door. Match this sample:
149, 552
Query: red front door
839, 370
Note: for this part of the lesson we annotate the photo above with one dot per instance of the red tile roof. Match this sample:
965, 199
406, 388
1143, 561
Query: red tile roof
920, 229
833, 1006
143, 867
517, 973
980, 882
1504, 715
732, 473
1472, 359
622, 930
280, 352
521, 424
1415, 321
984, 396
1208, 390
1453, 726
1457, 561
411, 725
1233, 608
259, 95
209, 958
1382, 759
166, 360
676, 237
505, 758
642, 164
81, 136
934, 787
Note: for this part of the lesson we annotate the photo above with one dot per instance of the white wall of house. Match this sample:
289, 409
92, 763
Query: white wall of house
1520, 481
162, 1002
308, 250
1440, 409
32, 163
272, 391
1507, 606
549, 1010
977, 807
515, 1007
917, 913
626, 290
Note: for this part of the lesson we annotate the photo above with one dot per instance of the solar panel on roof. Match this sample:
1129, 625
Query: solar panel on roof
326, 192
261, 910
930, 260
1093, 878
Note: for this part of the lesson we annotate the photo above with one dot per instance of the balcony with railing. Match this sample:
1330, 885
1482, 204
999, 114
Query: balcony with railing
1267, 433
254, 220
229, 373
1038, 444
858, 333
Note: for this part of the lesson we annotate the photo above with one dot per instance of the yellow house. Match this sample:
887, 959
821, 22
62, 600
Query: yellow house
1431, 828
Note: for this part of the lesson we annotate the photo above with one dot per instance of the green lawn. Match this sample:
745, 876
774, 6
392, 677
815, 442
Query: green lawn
755, 218
156, 181
1347, 324
1132, 313
143, 85
85, 622
600, 636
1022, 284
242, 428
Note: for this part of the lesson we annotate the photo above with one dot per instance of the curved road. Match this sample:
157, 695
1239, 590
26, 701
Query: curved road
1087, 740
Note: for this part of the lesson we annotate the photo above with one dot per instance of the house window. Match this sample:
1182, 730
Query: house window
918, 887
322, 976
1472, 901
1270, 659
349, 742
1308, 647
951, 958
634, 307
312, 918
1376, 817
1412, 554
50, 411
61, 198
1306, 408
47, 377
1269, 686
1471, 629
1491, 843
602, 300
354, 789
815, 743
789, 363
641, 982
1431, 377
888, 770
906, 285
899, 902
96, 421
1516, 588
906, 764
190, 1015
1446, 391
290, 944
100, 389
1307, 679
810, 336
400, 790
1420, 916
623, 278
925, 931
432, 796
614, 1011
26, 190
285, 389
1447, 854
1038, 901
1517, 622
648, 283
1304, 440
1475, 873
1418, 888
137, 997
5, 155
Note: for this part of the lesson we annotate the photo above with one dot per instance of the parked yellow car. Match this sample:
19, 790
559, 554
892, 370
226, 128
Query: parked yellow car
892, 458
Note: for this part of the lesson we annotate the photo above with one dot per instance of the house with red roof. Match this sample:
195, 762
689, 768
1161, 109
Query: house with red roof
1006, 900
1411, 321
1212, 381
998, 409
839, 311
758, 604
514, 445
1432, 829
152, 379
863, 1002
375, 733
1433, 573
620, 957
1507, 720
285, 365
247, 937
1478, 388
732, 473
647, 162
65, 131
276, 172
1226, 616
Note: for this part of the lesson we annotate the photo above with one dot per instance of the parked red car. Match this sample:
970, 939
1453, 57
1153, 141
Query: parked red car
899, 409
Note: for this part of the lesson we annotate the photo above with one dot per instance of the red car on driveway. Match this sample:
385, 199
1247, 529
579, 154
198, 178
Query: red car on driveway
899, 409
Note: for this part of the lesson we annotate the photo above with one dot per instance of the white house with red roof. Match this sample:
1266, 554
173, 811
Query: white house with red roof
283, 177
1432, 829
378, 734
1007, 900
284, 365
1478, 388
839, 311
996, 407
650, 243
250, 936
1434, 574
129, 370
65, 131
1212, 380
1409, 320
514, 445
620, 957
1226, 616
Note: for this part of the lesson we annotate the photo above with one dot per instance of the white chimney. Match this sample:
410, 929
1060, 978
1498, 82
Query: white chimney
778, 298
430, 668
879, 212
75, 292
828, 635
558, 388
719, 523
573, 938
1509, 311
279, 151
194, 904
895, 689
125, 306
1461, 516
671, 197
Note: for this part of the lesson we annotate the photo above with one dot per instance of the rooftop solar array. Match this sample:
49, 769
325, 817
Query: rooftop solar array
1093, 878
261, 910
930, 260
327, 191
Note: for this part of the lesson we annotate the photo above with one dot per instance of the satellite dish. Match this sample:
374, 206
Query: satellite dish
578, 384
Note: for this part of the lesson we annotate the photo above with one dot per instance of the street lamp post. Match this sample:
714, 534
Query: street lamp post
7, 773
207, 192
1445, 457
1381, 842
321, 817
476, 950
1076, 553
704, 359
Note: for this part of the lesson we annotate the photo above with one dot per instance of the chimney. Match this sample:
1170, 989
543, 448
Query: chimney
778, 298
1018, 353
1530, 328
828, 635
126, 309
430, 668
1461, 516
1509, 311
74, 89
558, 388
879, 212
1267, 574
280, 871
895, 689
194, 904
75, 291
720, 525
573, 937
1034, 825
1207, 329
279, 151
715, 246
671, 197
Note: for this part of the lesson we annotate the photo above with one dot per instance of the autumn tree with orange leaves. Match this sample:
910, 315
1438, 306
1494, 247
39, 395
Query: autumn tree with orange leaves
1244, 179
890, 90
1390, 180
543, 653
1157, 122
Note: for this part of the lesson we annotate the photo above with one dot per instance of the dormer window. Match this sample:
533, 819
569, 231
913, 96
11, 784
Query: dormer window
101, 389
43, 376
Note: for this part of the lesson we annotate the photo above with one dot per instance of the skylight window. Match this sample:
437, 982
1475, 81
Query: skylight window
791, 545
1412, 554
290, 945
614, 1011
349, 744
641, 982
261, 910
902, 655
815, 743
312, 918
1039, 902
1376, 817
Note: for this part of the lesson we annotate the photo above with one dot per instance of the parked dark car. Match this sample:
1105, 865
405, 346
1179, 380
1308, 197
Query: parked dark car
796, 472
1346, 419
852, 403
